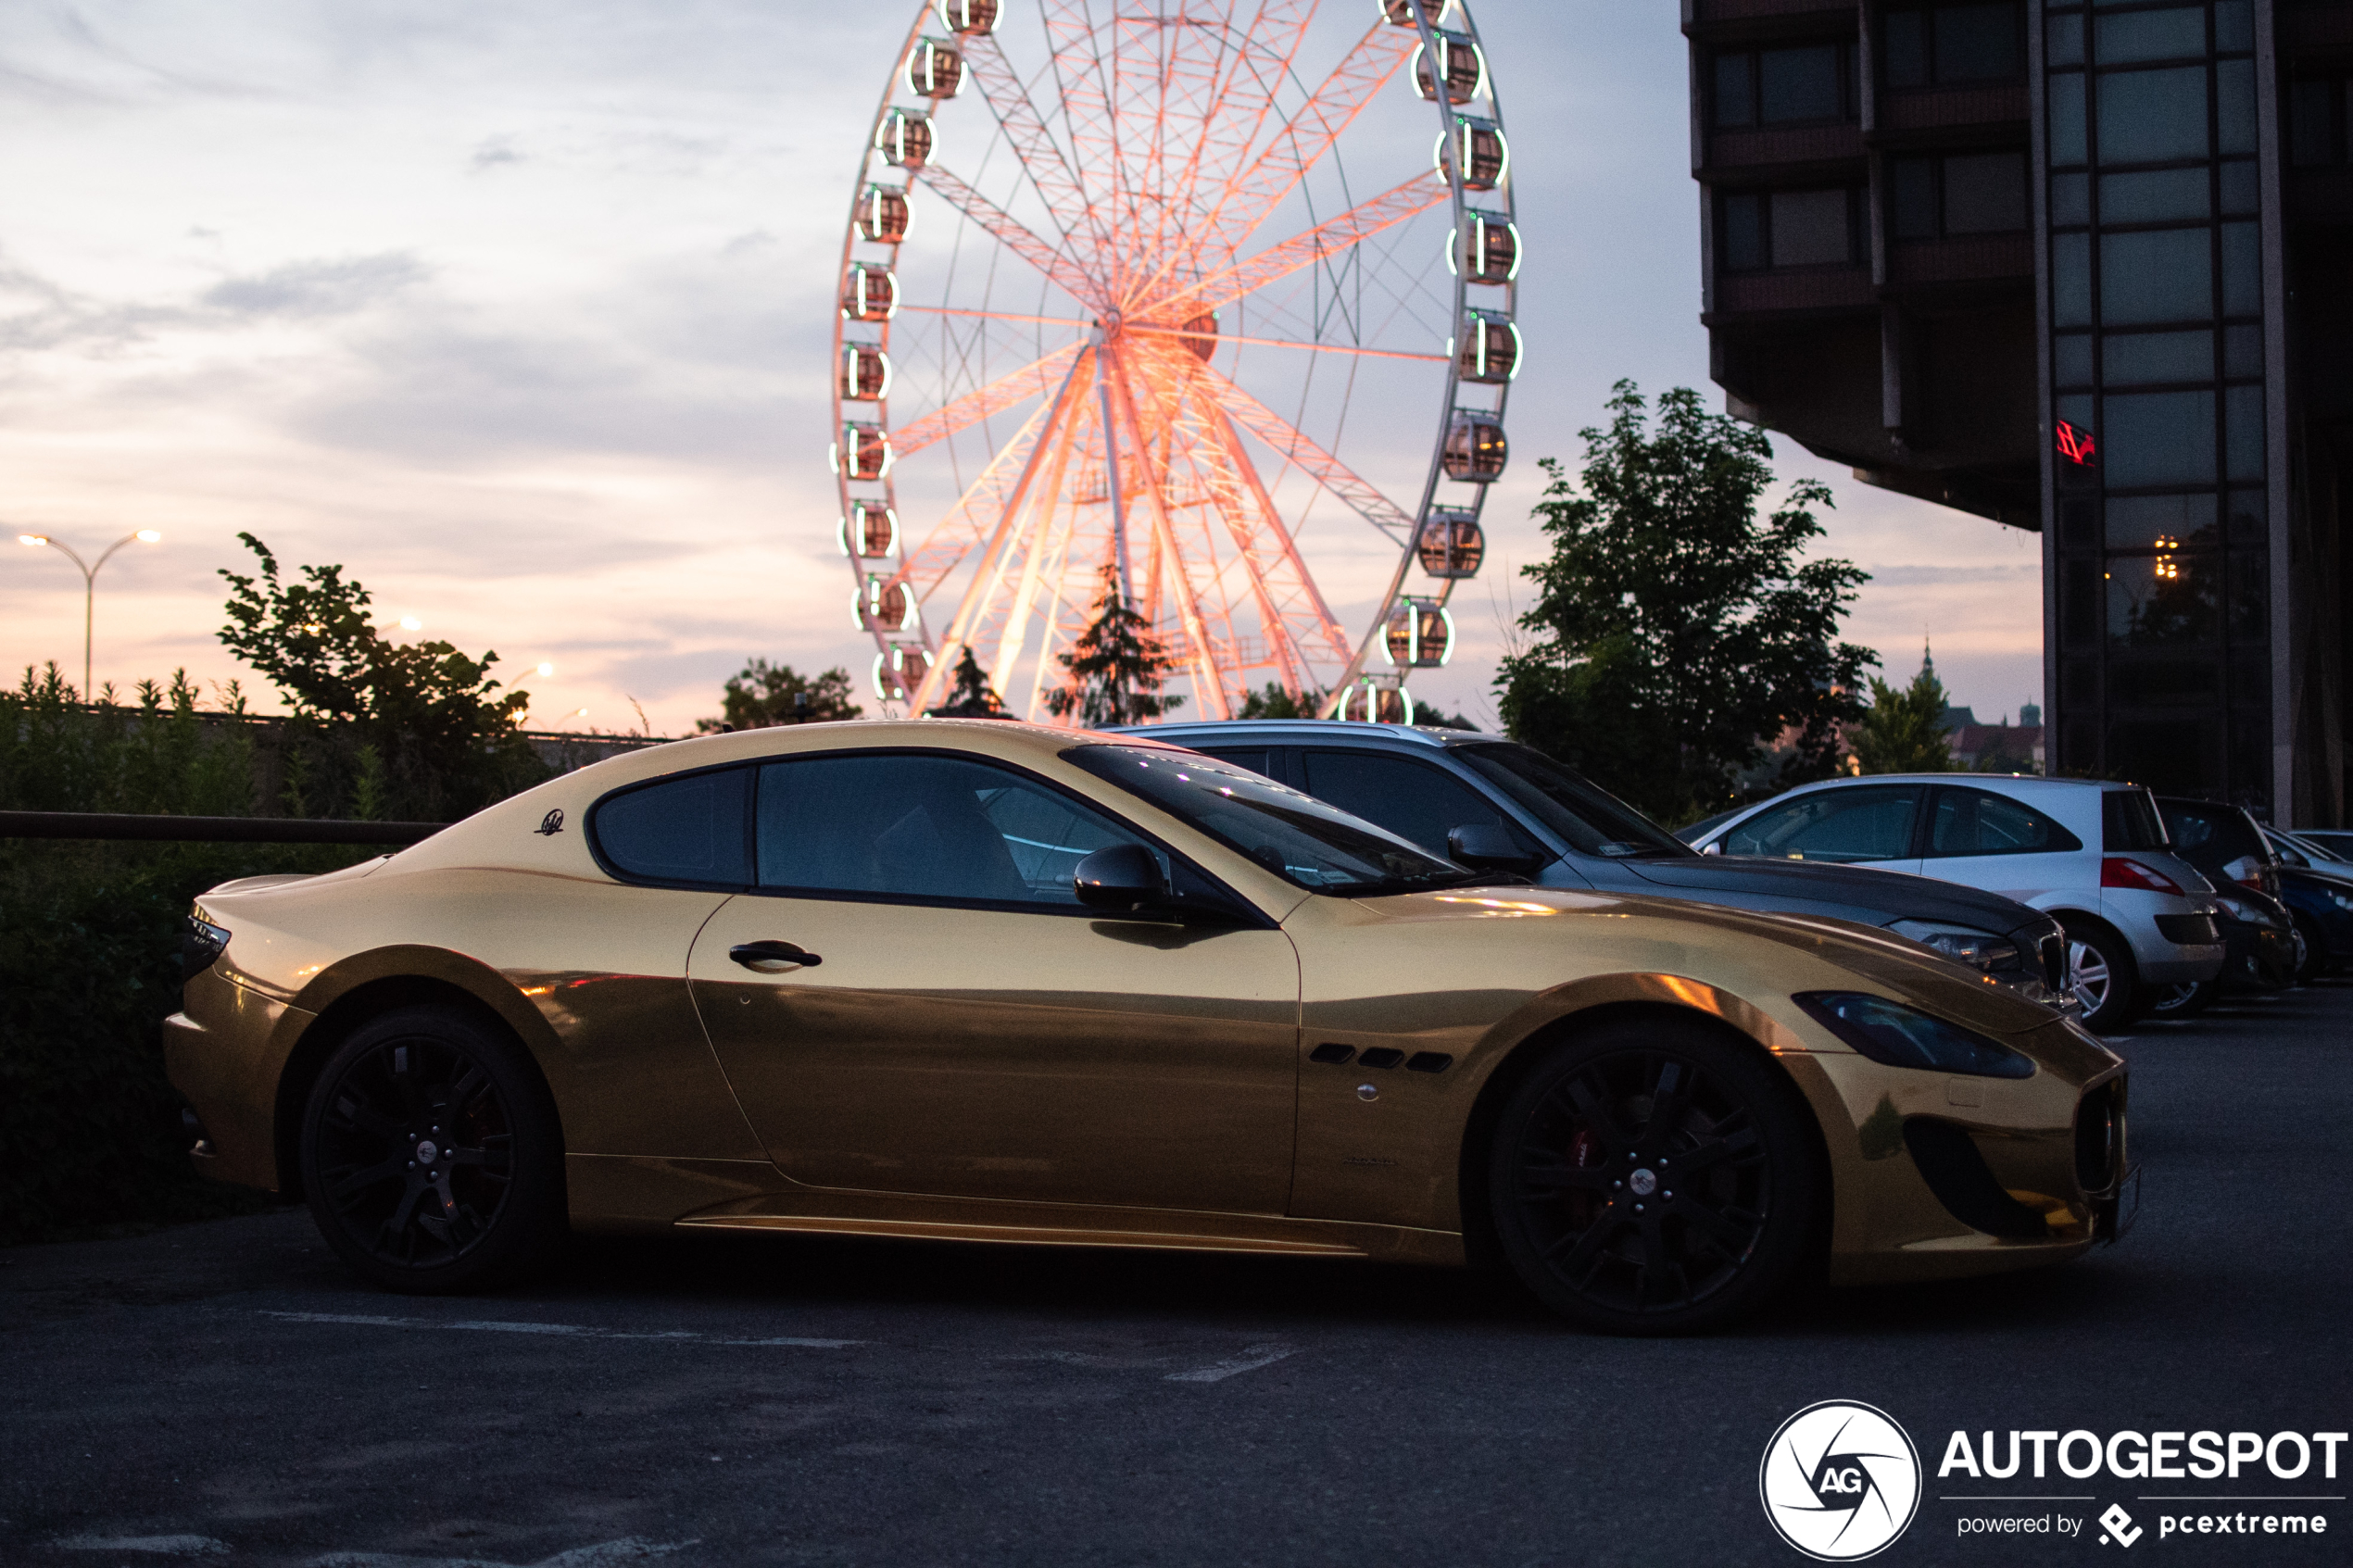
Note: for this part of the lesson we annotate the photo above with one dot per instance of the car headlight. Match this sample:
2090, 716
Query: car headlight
2239, 907
1979, 949
2341, 901
1897, 1036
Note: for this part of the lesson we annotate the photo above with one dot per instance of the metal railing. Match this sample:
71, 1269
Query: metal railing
209, 830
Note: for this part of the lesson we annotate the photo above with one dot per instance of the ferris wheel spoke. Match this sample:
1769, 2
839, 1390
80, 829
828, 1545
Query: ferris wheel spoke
1230, 110
1285, 588
1322, 243
1056, 265
1359, 494
1035, 379
976, 514
996, 316
1329, 110
1088, 113
1224, 338
1026, 130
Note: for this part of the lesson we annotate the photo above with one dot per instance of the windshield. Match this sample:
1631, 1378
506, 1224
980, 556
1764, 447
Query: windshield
1594, 821
1294, 836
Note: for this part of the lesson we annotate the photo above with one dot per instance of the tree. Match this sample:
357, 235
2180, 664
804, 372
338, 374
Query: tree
762, 694
1904, 731
1676, 639
1116, 667
972, 696
411, 728
1274, 702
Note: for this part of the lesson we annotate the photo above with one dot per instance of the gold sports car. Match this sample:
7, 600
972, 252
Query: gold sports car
982, 981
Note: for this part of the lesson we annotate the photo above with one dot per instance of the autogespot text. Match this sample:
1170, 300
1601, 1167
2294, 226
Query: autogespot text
2134, 1456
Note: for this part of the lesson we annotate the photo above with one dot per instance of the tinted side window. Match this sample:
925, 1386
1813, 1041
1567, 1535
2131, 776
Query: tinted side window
2129, 821
1411, 800
679, 830
922, 827
1977, 821
1870, 823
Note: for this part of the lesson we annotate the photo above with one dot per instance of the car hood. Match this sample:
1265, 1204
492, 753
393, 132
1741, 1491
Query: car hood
1541, 937
1887, 895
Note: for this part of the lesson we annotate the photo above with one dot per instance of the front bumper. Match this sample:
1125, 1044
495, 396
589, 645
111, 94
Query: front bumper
1940, 1176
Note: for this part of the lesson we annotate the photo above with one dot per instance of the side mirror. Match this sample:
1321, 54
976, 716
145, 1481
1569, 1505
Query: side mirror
1124, 878
1485, 847
1715, 849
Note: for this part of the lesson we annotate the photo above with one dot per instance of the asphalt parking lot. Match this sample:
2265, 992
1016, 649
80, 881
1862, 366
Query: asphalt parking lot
224, 1392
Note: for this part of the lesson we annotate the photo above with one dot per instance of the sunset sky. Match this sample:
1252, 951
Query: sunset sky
521, 313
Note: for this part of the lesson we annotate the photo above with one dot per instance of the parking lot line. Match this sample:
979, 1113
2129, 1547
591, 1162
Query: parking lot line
560, 1330
1251, 1360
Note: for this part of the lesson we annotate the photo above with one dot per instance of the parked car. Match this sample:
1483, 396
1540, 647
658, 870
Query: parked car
1451, 790
2319, 895
2334, 842
2314, 843
2091, 854
2266, 950
987, 981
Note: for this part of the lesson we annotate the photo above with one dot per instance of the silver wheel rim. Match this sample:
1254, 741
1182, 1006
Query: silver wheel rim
2303, 948
2175, 998
2088, 973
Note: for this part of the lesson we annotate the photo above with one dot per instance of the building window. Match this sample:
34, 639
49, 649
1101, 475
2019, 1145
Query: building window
1953, 45
2316, 120
1960, 194
1811, 85
1764, 228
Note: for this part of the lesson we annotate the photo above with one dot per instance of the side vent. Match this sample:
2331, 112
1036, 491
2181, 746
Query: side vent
1380, 1057
1429, 1061
1331, 1053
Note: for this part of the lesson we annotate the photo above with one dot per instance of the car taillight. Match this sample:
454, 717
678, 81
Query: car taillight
2119, 871
2248, 871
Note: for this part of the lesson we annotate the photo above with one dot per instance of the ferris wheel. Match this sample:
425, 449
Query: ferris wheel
1173, 294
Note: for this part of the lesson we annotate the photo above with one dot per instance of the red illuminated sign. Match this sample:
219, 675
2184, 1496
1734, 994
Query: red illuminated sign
2076, 445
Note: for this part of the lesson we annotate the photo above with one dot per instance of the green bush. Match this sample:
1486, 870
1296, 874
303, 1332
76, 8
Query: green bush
90, 1131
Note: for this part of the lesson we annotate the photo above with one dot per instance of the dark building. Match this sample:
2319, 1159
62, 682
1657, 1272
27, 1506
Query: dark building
2081, 269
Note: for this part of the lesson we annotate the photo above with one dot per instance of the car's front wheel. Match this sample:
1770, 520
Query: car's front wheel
2311, 949
2100, 968
430, 1153
1651, 1176
2185, 1001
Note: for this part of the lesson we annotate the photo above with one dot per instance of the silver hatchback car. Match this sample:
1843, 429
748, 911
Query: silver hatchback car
2094, 855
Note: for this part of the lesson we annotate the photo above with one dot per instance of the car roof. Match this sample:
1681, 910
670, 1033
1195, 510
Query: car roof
2039, 780
1328, 730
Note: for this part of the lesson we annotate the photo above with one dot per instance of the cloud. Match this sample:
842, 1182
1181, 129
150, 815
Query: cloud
337, 287
494, 152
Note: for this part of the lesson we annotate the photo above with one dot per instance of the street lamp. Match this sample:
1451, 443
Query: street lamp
89, 584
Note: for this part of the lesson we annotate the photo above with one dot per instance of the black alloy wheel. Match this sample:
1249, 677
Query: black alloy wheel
429, 1154
1652, 1176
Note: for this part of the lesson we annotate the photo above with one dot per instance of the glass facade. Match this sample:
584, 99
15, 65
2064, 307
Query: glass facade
2153, 206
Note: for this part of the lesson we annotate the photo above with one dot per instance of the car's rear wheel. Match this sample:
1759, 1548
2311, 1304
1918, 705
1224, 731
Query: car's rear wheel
431, 1156
2187, 1000
1651, 1176
2105, 980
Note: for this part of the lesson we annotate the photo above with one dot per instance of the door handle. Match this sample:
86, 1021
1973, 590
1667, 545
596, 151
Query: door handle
751, 955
